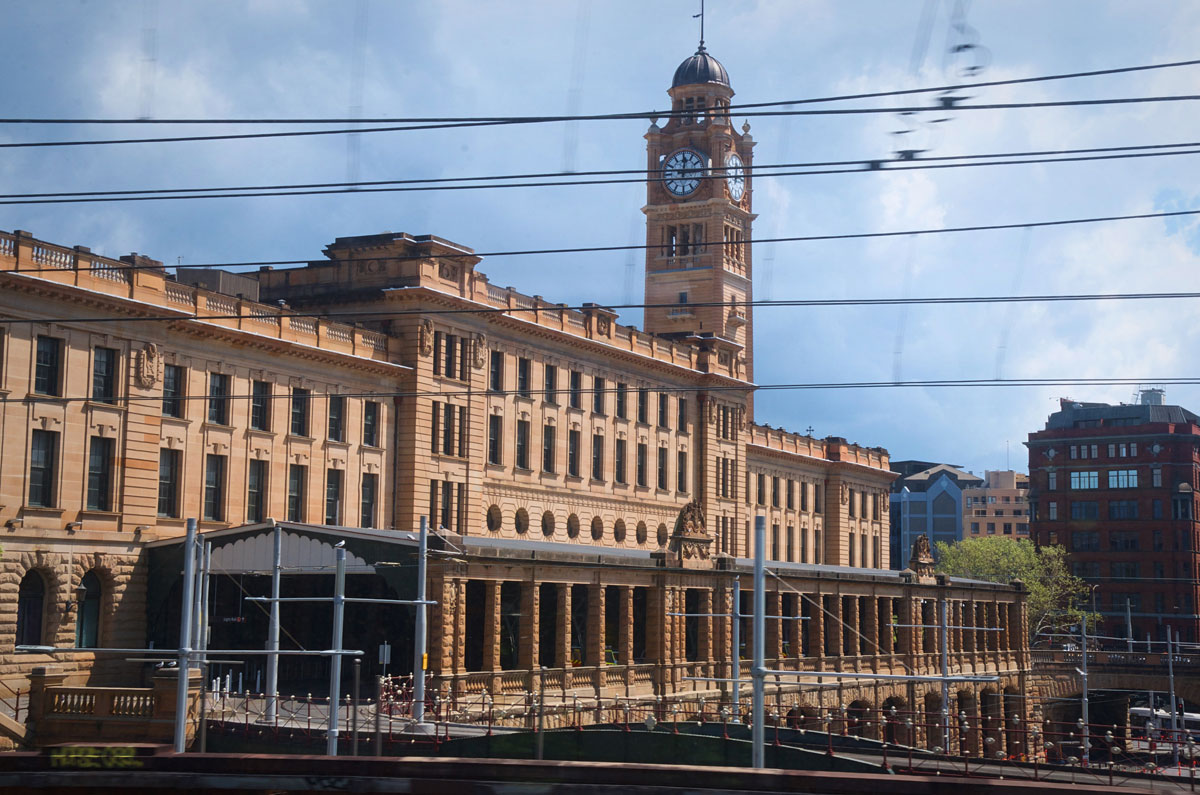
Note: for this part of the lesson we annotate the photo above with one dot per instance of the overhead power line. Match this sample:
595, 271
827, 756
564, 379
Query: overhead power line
660, 247
606, 116
453, 125
561, 178
493, 310
969, 383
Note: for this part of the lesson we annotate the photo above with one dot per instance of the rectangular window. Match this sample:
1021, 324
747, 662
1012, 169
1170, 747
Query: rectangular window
370, 487
173, 390
622, 397
664, 409
597, 456
643, 406
682, 419
523, 377
1089, 569
1112, 451
1075, 452
300, 400
496, 372
214, 488
573, 437
598, 395
1085, 510
260, 406
218, 398
168, 483
99, 484
619, 461
1124, 569
1008, 528
575, 398
1122, 509
791, 494
1052, 511
774, 492
662, 468
1133, 449
1122, 479
551, 385
104, 375
804, 497
1123, 541
1156, 478
1085, 480
974, 527
337, 418
256, 491
641, 464
522, 446
495, 429
1157, 509
333, 496
1052, 480
43, 468
370, 436
297, 488
1095, 454
761, 491
548, 448
447, 439
681, 472
47, 376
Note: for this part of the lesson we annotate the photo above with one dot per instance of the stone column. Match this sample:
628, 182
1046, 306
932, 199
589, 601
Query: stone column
491, 625
852, 639
458, 606
562, 632
706, 626
530, 622
871, 625
774, 642
833, 627
594, 653
815, 626
625, 633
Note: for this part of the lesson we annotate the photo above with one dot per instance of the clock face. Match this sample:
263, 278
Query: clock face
735, 177
682, 172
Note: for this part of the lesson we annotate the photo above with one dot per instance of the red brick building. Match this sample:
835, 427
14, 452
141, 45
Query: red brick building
1116, 485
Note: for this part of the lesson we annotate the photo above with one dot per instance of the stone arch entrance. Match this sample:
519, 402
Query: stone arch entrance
935, 735
858, 717
897, 722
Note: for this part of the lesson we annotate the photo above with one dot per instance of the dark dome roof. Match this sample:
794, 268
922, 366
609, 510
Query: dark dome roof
700, 68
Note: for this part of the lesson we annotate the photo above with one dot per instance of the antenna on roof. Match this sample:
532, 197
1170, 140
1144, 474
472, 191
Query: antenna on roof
700, 16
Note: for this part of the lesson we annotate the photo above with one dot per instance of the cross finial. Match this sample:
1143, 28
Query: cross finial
700, 16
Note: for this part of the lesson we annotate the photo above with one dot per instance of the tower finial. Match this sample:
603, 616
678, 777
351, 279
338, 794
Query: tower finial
700, 16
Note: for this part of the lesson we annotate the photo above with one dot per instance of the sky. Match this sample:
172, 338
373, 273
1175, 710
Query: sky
86, 59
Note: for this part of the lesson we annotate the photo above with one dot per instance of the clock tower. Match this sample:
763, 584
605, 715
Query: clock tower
698, 214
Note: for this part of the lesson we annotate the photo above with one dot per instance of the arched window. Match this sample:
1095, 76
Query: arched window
31, 602
87, 625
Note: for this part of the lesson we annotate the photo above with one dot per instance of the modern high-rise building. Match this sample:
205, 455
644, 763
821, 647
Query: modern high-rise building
927, 499
1116, 485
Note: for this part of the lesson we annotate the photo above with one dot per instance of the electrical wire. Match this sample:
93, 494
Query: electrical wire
651, 246
454, 125
560, 179
633, 115
467, 391
490, 310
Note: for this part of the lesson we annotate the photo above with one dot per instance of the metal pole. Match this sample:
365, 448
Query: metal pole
1086, 730
354, 708
1174, 711
758, 665
945, 671
185, 629
736, 675
418, 709
541, 716
378, 716
273, 631
1129, 626
335, 662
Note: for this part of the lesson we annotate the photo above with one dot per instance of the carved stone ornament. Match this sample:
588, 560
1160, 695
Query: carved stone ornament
711, 408
149, 365
479, 351
602, 325
425, 337
743, 417
690, 544
921, 559
448, 270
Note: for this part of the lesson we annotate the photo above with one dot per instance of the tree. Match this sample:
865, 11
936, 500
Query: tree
1055, 595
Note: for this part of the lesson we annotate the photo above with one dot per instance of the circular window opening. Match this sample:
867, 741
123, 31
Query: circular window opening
493, 518
548, 523
619, 531
597, 528
522, 520
641, 532
662, 535
573, 526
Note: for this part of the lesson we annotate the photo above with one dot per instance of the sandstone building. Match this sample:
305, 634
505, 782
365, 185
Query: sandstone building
596, 482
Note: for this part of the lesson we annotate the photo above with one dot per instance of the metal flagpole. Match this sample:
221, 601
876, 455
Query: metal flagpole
418, 710
273, 631
335, 662
758, 665
736, 675
185, 629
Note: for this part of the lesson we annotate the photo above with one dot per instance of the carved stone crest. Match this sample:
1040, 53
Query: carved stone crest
149, 366
921, 559
425, 337
479, 351
602, 324
690, 544
448, 270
